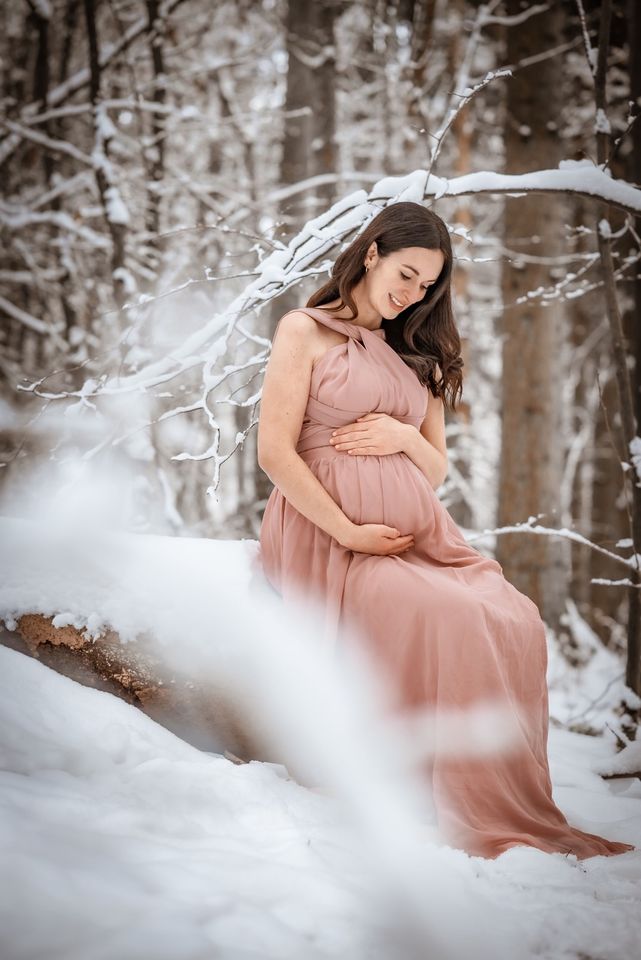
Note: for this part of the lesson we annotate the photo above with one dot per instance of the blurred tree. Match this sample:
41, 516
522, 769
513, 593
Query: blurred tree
533, 334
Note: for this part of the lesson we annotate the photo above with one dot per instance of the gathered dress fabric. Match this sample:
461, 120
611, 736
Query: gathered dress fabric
448, 629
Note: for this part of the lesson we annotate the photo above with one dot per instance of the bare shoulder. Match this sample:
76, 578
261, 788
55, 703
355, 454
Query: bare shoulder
301, 333
296, 325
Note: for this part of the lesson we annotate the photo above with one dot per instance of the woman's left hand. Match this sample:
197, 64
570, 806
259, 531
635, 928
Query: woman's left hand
375, 434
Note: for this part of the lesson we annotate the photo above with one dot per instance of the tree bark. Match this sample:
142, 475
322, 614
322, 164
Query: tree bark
629, 430
312, 88
155, 155
116, 229
197, 712
531, 462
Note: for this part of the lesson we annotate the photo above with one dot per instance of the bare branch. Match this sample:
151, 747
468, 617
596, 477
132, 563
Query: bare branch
38, 326
81, 79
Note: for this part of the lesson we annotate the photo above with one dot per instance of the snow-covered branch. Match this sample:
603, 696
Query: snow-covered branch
33, 323
81, 78
19, 217
55, 146
321, 237
528, 526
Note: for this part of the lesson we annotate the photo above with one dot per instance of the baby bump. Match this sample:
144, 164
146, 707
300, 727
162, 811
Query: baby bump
388, 489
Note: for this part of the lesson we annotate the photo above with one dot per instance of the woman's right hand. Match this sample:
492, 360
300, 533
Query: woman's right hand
377, 539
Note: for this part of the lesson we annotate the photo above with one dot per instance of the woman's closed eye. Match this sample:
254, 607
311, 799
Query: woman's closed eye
425, 286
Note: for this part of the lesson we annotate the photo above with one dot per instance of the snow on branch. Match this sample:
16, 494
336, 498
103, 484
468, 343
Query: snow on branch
49, 143
635, 457
313, 248
590, 52
42, 8
33, 323
16, 218
320, 236
81, 78
465, 94
515, 19
633, 562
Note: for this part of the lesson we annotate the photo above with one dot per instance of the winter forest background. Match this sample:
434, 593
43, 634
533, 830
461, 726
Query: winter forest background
176, 175
155, 156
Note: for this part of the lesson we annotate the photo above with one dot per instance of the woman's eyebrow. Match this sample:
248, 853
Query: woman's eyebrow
410, 267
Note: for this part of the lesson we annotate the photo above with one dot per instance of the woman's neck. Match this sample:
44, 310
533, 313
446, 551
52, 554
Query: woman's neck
366, 315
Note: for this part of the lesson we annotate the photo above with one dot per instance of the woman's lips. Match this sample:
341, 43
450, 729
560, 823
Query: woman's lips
395, 305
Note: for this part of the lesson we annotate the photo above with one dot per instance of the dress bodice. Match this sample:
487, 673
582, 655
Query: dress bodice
364, 374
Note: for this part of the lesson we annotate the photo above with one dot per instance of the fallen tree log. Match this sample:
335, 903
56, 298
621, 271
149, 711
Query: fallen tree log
192, 710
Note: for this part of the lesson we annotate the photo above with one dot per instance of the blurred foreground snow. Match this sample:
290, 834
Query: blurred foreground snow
121, 841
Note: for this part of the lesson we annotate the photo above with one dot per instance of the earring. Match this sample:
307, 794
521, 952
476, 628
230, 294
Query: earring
366, 268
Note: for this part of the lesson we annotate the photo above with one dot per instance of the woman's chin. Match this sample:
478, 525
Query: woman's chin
389, 311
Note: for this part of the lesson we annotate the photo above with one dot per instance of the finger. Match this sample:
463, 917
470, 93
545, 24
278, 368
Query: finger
350, 435
345, 428
395, 552
410, 546
360, 444
348, 444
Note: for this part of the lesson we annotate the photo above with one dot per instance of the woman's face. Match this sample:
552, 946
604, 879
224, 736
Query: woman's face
395, 282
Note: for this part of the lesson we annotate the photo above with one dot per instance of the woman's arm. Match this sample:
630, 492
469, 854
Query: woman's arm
284, 400
426, 447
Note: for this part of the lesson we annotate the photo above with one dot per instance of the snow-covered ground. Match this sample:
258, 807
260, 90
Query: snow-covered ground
120, 840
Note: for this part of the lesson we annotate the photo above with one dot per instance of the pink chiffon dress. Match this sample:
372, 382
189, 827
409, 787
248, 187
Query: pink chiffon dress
442, 621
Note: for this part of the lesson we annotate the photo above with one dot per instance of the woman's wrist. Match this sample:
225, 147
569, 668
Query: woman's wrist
344, 532
409, 436
427, 458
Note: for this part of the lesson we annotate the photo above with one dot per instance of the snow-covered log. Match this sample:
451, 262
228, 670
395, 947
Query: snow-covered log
92, 612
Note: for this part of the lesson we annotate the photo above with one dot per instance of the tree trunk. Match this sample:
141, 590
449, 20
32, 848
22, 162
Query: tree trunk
198, 712
324, 155
155, 153
309, 87
531, 463
620, 352
105, 186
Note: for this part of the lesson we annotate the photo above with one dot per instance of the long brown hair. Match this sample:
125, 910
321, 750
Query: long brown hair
424, 334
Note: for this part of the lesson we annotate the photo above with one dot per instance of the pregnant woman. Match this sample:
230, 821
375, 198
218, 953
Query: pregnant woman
352, 435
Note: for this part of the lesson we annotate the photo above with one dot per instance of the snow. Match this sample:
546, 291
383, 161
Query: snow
170, 851
105, 128
21, 217
605, 230
121, 274
351, 212
635, 455
627, 760
586, 696
116, 210
43, 9
601, 122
